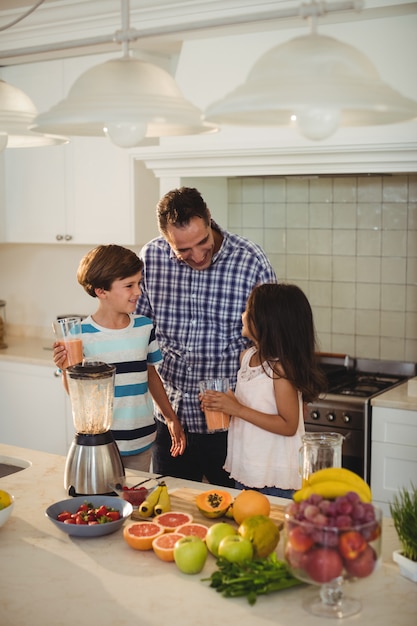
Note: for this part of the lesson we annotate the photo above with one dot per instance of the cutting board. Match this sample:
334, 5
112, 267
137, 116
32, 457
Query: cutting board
184, 500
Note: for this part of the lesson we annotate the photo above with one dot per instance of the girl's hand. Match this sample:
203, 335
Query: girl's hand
219, 401
60, 354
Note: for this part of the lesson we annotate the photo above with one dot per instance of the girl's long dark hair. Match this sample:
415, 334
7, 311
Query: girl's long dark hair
279, 316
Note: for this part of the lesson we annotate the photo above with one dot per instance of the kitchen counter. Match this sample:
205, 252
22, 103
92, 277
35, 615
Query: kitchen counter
48, 578
396, 398
31, 350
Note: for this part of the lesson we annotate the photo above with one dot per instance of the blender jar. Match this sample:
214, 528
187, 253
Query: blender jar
91, 389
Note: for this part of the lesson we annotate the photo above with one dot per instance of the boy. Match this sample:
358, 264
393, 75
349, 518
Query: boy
113, 334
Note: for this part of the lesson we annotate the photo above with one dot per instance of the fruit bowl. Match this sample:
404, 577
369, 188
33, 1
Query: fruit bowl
328, 542
89, 530
7, 509
133, 489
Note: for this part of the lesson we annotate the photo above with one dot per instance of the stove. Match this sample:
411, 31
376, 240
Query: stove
346, 406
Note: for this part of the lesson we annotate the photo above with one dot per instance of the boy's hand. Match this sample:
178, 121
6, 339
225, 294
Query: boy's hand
177, 437
60, 354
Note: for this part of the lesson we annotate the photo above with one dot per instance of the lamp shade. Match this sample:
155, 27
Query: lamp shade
126, 98
17, 113
318, 80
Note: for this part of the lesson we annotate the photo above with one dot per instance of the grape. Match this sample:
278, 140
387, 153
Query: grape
343, 521
343, 505
311, 511
324, 506
358, 512
320, 520
353, 497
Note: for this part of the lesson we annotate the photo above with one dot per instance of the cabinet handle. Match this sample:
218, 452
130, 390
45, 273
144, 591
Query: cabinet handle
59, 237
68, 237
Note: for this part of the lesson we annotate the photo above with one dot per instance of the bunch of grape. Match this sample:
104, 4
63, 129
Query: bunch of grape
343, 512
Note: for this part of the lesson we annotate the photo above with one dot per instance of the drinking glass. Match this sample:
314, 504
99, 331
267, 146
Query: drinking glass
216, 420
67, 331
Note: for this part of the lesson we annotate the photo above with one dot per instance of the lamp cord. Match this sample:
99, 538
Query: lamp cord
22, 17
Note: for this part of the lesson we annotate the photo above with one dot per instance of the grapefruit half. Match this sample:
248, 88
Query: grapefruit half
141, 534
172, 520
163, 545
199, 530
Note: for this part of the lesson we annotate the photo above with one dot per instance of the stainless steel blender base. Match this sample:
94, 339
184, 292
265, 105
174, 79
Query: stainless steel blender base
93, 463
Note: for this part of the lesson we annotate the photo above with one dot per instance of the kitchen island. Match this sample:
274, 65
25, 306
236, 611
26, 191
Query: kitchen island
48, 578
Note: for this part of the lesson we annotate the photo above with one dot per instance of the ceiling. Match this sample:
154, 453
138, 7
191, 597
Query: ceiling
162, 24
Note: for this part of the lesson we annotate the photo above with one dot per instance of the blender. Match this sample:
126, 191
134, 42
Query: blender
93, 461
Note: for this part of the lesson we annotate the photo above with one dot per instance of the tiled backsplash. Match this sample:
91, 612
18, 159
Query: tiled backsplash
350, 243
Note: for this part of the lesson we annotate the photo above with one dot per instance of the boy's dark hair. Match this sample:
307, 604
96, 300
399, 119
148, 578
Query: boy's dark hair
100, 267
178, 206
281, 319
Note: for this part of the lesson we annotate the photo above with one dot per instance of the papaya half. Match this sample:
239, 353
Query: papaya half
213, 503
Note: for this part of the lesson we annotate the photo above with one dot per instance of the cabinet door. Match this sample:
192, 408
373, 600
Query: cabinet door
80, 192
99, 204
34, 408
35, 177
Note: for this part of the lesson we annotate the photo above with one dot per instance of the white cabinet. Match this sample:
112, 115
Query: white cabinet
35, 411
394, 453
80, 192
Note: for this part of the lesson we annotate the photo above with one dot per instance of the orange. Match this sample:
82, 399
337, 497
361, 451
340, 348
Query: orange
250, 502
163, 545
171, 520
141, 534
199, 530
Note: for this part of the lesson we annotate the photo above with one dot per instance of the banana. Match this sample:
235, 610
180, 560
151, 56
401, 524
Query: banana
164, 503
343, 475
330, 490
147, 507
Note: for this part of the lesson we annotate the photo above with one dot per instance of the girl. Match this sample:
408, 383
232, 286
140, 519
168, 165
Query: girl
276, 376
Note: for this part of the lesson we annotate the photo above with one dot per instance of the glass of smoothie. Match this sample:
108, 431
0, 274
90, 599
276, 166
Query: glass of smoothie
216, 420
67, 331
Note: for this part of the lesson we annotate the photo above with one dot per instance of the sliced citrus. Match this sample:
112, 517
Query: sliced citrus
199, 530
141, 534
163, 546
170, 521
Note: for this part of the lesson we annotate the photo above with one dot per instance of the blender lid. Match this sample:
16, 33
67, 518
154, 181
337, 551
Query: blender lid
91, 370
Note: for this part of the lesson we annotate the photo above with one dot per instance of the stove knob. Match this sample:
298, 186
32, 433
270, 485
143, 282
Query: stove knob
346, 418
331, 417
315, 415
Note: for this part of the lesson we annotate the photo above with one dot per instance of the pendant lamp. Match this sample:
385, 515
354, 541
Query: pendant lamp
125, 99
17, 113
316, 82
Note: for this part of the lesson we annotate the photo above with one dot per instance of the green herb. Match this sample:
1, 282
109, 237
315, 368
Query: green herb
404, 515
251, 578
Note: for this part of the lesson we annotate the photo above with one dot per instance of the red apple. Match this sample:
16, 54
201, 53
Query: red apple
363, 565
323, 564
299, 540
351, 544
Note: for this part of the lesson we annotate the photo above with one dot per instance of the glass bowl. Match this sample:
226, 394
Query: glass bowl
328, 542
133, 489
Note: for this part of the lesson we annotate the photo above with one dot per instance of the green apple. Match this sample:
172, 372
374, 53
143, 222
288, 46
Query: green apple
216, 533
236, 549
190, 554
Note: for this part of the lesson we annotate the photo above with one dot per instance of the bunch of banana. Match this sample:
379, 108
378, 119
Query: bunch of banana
157, 502
333, 482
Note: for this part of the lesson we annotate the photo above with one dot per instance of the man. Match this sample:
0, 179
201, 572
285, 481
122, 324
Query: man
196, 280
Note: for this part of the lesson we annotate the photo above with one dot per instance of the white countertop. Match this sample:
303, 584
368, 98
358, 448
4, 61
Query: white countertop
50, 579
30, 350
396, 398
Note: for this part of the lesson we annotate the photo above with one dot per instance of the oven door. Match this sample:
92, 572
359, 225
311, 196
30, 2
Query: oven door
352, 448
